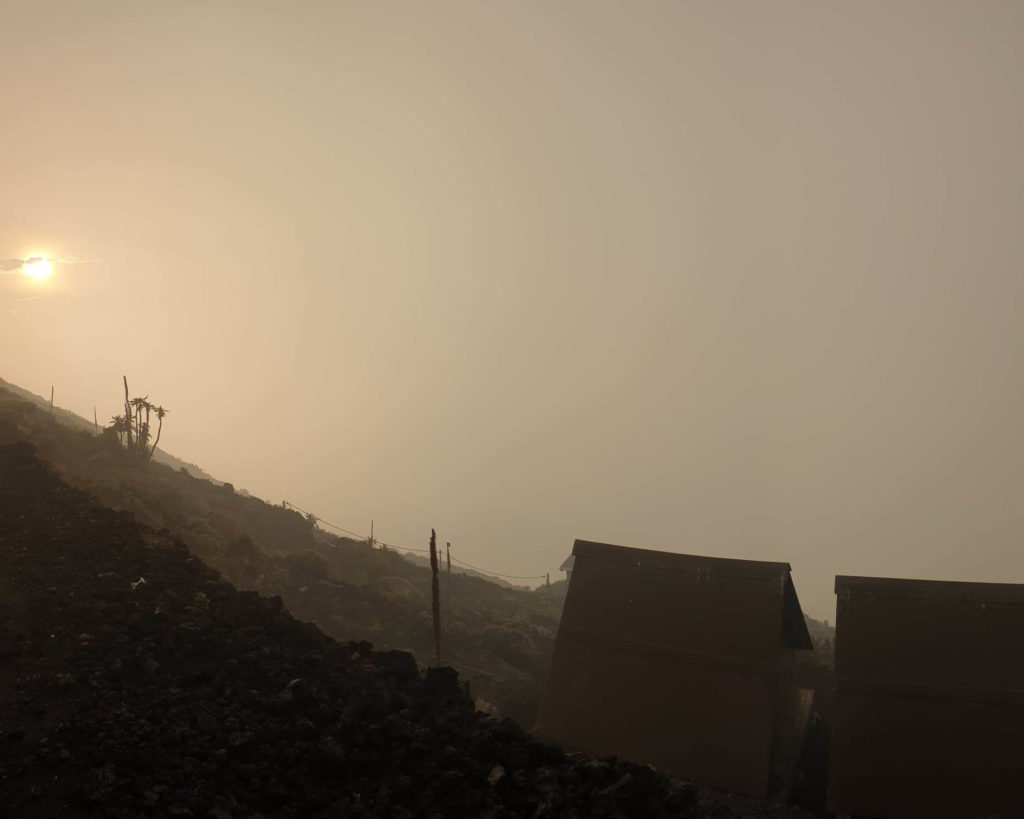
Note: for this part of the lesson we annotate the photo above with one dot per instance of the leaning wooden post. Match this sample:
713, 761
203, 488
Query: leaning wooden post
448, 586
51, 399
435, 594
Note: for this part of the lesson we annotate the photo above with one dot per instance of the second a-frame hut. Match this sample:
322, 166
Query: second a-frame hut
929, 710
682, 662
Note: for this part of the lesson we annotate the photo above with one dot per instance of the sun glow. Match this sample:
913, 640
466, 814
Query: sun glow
37, 267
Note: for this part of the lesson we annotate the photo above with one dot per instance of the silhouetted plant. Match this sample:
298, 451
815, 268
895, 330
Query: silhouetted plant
133, 429
160, 413
117, 427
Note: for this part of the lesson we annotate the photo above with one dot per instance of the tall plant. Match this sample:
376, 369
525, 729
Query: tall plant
132, 429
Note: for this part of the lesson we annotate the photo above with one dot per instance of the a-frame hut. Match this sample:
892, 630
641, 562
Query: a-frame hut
929, 709
683, 662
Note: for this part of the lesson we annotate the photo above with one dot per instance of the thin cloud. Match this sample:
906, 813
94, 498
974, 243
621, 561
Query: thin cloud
14, 265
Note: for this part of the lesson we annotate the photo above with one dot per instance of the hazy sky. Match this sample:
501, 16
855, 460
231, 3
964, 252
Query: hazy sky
729, 278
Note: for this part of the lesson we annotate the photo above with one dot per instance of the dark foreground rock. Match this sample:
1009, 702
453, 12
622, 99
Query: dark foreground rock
135, 683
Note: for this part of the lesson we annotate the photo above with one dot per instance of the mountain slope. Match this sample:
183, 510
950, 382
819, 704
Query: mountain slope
135, 682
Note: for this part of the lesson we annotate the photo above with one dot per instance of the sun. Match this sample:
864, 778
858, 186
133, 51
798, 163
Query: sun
38, 267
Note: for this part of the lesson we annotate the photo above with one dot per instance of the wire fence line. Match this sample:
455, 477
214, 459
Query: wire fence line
495, 574
319, 520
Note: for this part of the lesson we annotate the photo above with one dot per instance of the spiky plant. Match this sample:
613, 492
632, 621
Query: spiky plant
117, 425
133, 429
160, 413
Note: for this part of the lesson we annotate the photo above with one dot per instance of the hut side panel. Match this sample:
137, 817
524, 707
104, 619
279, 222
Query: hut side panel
929, 717
694, 722
900, 756
968, 641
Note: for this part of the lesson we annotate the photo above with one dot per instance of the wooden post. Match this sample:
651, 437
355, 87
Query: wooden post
51, 399
448, 585
95, 420
547, 578
435, 594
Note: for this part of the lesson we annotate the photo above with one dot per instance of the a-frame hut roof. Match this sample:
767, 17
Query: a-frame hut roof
743, 577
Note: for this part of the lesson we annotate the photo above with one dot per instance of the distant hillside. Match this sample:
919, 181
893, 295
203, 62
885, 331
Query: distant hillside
820, 630
68, 418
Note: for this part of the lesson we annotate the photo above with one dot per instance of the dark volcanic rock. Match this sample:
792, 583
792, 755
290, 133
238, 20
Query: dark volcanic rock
134, 682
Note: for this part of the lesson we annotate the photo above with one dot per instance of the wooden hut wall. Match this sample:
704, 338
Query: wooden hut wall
929, 715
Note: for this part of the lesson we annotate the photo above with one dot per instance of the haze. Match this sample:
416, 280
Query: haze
738, 279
